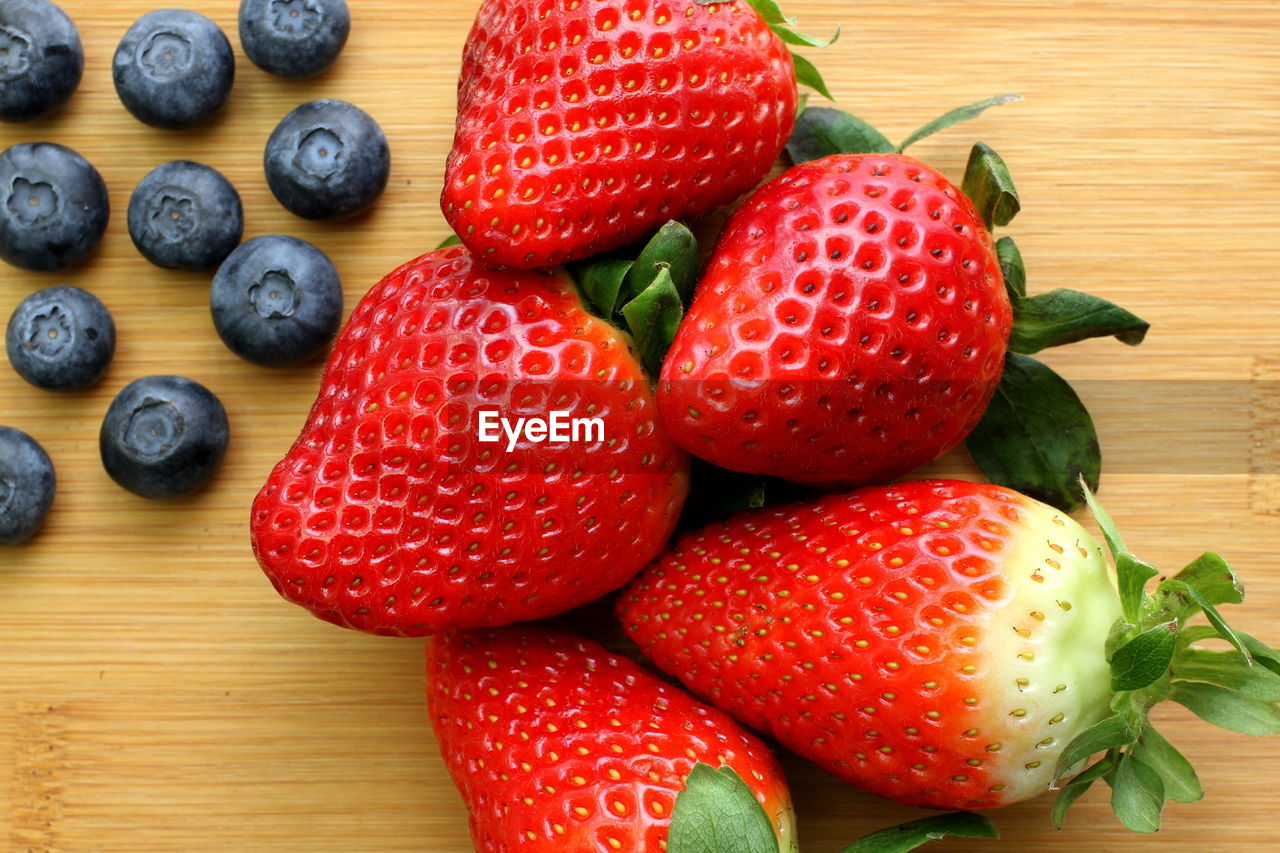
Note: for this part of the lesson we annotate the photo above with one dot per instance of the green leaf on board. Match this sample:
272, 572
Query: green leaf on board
989, 186
1230, 670
1036, 436
1110, 532
909, 836
1137, 795
956, 116
1065, 316
1226, 708
1176, 589
718, 813
807, 74
1181, 783
1213, 577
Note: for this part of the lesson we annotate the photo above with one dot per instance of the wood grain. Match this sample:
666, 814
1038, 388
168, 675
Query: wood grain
156, 695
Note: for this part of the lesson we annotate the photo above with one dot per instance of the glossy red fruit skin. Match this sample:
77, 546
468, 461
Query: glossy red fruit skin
867, 632
389, 516
573, 727
583, 126
850, 326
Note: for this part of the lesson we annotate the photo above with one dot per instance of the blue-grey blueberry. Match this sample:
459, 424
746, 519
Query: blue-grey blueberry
61, 339
294, 38
163, 436
41, 59
173, 68
276, 301
327, 160
27, 484
53, 206
185, 216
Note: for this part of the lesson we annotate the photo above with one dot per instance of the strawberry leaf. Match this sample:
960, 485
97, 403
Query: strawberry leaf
1106, 734
1173, 589
1132, 574
956, 116
1215, 580
718, 813
784, 27
1012, 267
451, 240
673, 246
909, 836
989, 186
1137, 795
1230, 670
1144, 660
653, 318
601, 282
821, 132
1110, 532
1036, 436
807, 74
799, 39
1065, 316
1180, 781
1076, 788
1226, 708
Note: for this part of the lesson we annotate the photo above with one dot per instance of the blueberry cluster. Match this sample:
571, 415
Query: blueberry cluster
275, 300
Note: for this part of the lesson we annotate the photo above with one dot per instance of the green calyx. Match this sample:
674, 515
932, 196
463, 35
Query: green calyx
717, 812
913, 834
784, 27
644, 292
1154, 656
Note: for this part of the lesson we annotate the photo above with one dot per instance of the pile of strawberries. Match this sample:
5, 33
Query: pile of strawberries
944, 644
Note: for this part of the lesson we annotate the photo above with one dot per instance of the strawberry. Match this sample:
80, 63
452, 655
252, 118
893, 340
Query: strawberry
856, 321
390, 515
555, 744
952, 645
583, 126
851, 325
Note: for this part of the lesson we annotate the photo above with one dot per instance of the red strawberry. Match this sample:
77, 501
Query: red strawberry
945, 643
390, 516
555, 744
583, 126
850, 326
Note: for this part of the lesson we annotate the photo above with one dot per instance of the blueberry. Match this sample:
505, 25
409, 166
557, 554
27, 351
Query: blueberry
173, 68
41, 59
277, 301
294, 38
27, 484
53, 206
327, 160
163, 436
61, 339
185, 216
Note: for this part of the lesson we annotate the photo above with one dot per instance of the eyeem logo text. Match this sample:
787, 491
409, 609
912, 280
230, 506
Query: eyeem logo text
559, 427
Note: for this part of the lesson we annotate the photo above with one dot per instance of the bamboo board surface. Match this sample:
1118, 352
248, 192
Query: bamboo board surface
156, 695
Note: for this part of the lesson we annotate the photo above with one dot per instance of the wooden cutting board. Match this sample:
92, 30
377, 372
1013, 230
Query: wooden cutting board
156, 695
